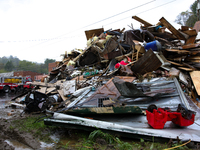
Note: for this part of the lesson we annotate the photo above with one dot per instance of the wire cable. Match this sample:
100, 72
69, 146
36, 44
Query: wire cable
94, 23
141, 12
123, 18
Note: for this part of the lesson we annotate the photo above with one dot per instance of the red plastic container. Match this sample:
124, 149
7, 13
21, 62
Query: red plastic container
159, 117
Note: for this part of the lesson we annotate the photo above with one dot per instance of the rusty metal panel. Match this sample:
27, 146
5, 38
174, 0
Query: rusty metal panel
147, 63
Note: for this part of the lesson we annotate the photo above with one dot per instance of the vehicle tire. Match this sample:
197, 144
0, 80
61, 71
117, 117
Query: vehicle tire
151, 107
16, 89
25, 89
6, 89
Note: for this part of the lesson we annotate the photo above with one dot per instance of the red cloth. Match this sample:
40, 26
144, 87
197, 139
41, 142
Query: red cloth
121, 63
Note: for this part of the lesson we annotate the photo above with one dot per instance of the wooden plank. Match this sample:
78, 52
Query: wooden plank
184, 28
61, 93
183, 51
190, 40
192, 58
195, 75
142, 21
49, 90
171, 28
42, 89
174, 63
186, 69
189, 46
177, 51
190, 32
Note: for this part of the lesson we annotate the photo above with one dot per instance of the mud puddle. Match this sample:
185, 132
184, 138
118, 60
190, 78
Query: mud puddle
17, 145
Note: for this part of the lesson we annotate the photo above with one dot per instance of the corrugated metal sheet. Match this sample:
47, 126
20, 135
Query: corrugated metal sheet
136, 126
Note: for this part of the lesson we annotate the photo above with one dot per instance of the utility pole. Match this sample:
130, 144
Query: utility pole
198, 7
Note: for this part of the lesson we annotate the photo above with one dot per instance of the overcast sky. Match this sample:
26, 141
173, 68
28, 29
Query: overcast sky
34, 30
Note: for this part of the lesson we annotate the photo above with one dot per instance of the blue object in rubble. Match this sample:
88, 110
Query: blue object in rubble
154, 45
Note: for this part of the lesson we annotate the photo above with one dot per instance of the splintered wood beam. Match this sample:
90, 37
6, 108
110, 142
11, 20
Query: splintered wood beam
142, 21
171, 28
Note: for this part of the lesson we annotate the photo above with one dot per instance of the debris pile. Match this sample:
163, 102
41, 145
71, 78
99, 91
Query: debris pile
123, 72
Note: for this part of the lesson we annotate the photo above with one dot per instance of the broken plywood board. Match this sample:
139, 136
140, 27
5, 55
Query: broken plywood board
49, 90
42, 89
174, 72
195, 75
147, 63
64, 98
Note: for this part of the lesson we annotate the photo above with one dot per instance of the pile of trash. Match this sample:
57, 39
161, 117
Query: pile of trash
123, 72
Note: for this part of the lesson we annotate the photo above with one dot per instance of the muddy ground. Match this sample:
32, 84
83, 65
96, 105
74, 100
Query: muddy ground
8, 134
7, 115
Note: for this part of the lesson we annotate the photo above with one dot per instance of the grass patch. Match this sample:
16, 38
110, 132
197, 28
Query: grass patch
37, 129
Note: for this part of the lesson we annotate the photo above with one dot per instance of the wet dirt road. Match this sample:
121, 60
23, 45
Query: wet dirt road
5, 111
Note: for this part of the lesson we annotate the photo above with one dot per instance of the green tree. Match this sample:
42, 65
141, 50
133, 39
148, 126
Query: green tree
188, 18
9, 66
25, 65
1, 66
193, 18
6, 64
183, 17
46, 63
